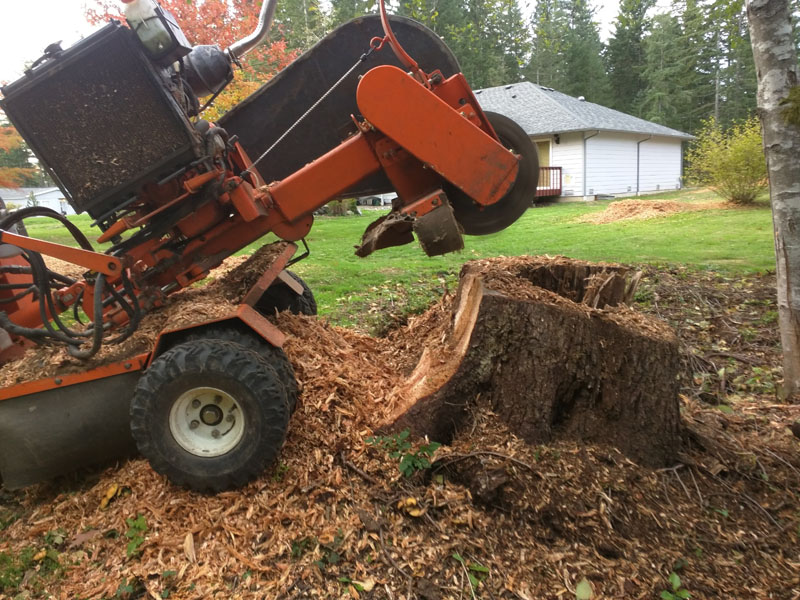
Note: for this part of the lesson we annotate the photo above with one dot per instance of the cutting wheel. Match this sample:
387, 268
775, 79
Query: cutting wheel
482, 220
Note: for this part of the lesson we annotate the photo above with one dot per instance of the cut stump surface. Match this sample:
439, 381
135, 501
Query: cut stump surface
550, 346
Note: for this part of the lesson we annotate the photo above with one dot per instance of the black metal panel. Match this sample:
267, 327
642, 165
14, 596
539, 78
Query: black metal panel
58, 431
261, 118
100, 118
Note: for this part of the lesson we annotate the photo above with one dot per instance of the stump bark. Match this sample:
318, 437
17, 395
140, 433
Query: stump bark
550, 347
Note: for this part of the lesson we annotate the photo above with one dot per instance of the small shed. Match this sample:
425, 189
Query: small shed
586, 149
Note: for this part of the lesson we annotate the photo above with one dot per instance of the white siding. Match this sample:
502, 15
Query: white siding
660, 164
611, 163
568, 154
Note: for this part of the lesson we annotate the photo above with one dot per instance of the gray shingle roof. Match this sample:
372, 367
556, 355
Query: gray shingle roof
541, 110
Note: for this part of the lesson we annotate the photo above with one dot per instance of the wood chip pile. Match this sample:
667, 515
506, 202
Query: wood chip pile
624, 210
492, 518
223, 291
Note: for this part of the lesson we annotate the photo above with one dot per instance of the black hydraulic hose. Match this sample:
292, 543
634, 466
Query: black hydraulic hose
97, 337
15, 286
134, 313
61, 278
76, 306
36, 335
19, 296
46, 300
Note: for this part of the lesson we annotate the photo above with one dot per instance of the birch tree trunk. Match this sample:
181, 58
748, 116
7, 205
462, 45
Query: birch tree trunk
776, 66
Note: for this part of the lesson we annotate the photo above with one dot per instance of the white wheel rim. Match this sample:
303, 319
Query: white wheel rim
206, 422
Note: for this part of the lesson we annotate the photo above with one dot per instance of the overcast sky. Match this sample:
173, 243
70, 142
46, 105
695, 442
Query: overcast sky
30, 25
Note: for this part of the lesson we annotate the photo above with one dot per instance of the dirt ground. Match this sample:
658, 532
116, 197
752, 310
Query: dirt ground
335, 517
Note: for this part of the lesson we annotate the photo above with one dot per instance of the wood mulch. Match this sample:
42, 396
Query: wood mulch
629, 210
219, 295
335, 517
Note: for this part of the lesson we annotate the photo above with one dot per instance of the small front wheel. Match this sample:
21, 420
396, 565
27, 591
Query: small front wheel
209, 414
279, 297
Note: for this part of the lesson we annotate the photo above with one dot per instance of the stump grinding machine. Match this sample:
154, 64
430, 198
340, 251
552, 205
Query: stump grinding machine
118, 125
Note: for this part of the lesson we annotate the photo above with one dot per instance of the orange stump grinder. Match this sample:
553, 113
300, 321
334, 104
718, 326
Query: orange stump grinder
116, 121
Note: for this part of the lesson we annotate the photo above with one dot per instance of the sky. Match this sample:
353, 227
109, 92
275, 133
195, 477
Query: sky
31, 25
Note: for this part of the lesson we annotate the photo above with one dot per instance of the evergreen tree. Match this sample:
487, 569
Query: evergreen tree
699, 61
300, 22
491, 43
345, 10
442, 16
582, 53
625, 55
549, 25
666, 98
735, 86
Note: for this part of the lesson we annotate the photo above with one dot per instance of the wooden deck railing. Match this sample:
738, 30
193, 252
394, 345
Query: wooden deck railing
549, 182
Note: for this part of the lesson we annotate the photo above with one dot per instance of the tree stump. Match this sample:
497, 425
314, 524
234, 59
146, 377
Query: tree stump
550, 347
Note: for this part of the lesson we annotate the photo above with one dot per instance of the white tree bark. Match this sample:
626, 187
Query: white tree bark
776, 66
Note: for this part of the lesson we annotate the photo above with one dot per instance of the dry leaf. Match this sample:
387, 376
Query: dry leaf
111, 492
188, 547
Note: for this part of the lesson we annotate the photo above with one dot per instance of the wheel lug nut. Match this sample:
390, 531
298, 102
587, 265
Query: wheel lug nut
229, 418
217, 398
195, 403
215, 433
194, 424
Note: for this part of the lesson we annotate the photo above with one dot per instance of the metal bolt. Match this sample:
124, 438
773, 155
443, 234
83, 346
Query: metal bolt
217, 398
194, 424
195, 403
128, 365
229, 418
58, 380
215, 433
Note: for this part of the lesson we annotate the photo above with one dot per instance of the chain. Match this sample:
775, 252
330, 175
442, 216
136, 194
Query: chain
375, 44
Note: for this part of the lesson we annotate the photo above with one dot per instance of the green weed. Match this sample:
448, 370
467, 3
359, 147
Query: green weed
411, 459
677, 592
137, 528
476, 572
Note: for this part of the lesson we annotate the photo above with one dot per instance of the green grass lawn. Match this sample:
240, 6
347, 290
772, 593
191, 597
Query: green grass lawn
392, 282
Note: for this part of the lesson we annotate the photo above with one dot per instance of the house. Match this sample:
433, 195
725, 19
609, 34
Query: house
586, 149
51, 197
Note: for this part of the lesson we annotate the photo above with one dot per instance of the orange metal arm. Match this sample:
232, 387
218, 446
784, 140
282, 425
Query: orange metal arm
315, 184
94, 261
437, 134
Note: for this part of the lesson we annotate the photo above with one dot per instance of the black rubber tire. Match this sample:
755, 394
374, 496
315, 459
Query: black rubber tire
237, 371
276, 357
280, 297
496, 217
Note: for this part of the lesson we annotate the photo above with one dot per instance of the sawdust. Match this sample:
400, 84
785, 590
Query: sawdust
329, 514
629, 210
218, 298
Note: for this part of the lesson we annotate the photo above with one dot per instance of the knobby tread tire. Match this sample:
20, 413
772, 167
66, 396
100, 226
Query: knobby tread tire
242, 373
276, 357
279, 297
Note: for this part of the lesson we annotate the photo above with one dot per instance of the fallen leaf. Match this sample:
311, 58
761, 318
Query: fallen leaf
83, 537
111, 492
188, 547
367, 584
584, 591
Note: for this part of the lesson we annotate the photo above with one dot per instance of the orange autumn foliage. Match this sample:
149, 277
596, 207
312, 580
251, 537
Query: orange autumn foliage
12, 177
